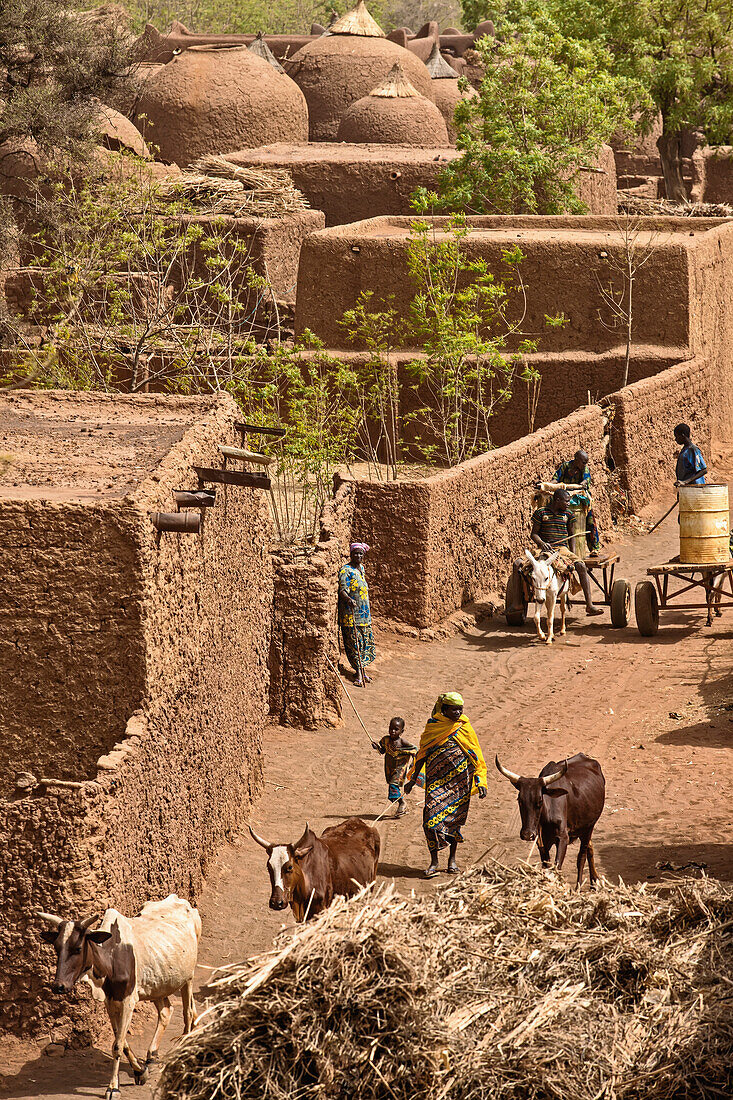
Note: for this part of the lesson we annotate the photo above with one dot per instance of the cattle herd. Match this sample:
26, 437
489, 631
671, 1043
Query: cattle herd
152, 956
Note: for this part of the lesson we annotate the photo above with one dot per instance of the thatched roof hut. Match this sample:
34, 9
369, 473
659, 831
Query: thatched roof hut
359, 22
211, 100
447, 92
394, 113
346, 64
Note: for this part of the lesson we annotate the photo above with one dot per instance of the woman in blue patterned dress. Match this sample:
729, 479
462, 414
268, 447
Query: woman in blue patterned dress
355, 617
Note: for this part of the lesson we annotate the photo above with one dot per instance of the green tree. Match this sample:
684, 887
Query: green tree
682, 53
460, 317
545, 106
678, 52
54, 65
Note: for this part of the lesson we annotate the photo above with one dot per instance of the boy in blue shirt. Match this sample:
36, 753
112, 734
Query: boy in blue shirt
690, 468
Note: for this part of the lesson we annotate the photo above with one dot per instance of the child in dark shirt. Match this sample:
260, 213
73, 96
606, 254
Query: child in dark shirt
398, 754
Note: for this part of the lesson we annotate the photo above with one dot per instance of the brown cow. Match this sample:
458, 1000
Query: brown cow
308, 875
561, 806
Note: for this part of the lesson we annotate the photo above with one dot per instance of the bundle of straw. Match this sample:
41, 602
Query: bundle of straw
216, 186
506, 984
637, 204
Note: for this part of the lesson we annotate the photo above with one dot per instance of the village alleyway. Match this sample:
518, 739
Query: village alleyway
653, 711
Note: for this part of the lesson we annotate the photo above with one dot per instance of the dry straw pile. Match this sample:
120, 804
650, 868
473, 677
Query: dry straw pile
504, 984
637, 204
214, 185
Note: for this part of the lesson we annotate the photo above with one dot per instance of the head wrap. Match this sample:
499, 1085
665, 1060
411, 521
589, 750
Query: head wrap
452, 698
358, 546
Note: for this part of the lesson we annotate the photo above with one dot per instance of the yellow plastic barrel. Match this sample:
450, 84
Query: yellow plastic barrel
704, 524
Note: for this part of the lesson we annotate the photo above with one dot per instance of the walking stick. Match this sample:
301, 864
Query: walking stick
348, 696
667, 513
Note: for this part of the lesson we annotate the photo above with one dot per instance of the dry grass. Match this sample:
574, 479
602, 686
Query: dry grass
635, 204
215, 186
505, 984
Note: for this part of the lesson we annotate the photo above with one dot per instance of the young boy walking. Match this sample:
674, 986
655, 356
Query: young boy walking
398, 755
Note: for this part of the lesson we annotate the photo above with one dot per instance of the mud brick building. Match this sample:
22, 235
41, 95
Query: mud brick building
133, 664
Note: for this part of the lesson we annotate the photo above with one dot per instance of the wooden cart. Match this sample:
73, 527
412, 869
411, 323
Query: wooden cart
615, 591
715, 581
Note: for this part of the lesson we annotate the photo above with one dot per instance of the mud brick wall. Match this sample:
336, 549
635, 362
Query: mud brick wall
393, 518
711, 278
271, 246
46, 866
304, 690
189, 780
645, 414
441, 543
71, 648
351, 182
566, 260
598, 189
186, 763
568, 378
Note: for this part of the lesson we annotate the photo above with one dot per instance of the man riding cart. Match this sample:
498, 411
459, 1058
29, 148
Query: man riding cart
574, 475
551, 532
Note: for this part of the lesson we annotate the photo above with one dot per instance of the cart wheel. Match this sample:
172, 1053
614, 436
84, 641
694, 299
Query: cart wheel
646, 606
513, 598
620, 602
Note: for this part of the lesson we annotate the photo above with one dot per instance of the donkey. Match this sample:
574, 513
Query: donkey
548, 587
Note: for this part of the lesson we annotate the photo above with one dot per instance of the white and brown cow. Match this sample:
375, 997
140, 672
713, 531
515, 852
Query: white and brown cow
144, 958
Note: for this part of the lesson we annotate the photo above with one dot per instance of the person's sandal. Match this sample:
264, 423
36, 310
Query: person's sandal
432, 871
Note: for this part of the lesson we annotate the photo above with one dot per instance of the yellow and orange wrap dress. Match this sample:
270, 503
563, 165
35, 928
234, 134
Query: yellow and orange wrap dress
454, 768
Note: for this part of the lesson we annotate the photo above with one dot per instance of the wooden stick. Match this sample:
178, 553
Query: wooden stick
348, 696
664, 517
72, 784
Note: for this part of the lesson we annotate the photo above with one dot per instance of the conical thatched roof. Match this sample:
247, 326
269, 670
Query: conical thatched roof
438, 67
395, 86
260, 48
358, 22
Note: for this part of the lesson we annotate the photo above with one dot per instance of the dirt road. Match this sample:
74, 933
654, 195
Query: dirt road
653, 711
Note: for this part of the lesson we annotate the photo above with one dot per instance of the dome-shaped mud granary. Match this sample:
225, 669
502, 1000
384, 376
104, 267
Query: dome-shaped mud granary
344, 65
214, 100
447, 92
394, 114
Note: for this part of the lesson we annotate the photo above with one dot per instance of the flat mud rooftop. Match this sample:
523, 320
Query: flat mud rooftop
659, 232
86, 447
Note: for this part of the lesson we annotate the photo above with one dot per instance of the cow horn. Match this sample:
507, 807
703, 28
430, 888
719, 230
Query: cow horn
258, 839
87, 924
511, 776
555, 775
55, 922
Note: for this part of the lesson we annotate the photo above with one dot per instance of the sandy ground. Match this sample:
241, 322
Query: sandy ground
653, 711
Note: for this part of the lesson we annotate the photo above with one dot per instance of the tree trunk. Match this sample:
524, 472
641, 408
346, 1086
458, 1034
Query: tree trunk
669, 152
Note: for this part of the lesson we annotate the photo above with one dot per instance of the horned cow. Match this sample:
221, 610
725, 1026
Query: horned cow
561, 806
144, 958
308, 875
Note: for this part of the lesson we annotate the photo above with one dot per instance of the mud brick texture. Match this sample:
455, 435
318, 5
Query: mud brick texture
177, 630
445, 541
566, 262
645, 414
304, 690
350, 182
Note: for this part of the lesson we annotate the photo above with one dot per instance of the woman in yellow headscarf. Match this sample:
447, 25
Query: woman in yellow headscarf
454, 768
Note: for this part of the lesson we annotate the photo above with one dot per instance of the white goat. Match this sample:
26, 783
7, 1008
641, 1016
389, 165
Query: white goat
548, 588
